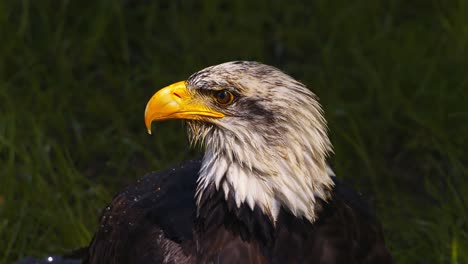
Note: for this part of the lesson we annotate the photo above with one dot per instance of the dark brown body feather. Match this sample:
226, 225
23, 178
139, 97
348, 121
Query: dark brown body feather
155, 221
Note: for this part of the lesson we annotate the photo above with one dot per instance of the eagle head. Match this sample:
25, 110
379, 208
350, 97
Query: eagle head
264, 135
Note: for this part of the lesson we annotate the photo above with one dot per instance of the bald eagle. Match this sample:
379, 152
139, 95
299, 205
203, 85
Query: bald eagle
261, 193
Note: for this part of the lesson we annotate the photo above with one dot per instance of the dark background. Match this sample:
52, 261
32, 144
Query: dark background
75, 77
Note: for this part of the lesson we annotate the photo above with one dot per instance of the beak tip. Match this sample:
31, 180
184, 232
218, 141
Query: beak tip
148, 125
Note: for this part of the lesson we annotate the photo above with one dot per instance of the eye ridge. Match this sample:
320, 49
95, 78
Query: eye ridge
223, 97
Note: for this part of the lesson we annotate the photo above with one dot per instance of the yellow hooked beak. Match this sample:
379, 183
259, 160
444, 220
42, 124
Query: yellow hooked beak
176, 102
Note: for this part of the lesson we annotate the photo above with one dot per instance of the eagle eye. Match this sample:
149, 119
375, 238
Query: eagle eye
223, 97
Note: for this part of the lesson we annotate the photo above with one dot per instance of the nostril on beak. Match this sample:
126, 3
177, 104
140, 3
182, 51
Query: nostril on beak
177, 95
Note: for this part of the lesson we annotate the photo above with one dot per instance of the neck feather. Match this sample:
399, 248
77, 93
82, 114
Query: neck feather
294, 176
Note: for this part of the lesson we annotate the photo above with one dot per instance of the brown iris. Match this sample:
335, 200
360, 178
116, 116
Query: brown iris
223, 97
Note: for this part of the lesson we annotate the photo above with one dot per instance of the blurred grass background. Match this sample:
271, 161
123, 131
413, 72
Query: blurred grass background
75, 77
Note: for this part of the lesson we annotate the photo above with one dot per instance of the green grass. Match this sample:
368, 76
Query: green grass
75, 78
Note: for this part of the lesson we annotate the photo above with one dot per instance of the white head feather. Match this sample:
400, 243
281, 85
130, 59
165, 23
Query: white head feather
270, 149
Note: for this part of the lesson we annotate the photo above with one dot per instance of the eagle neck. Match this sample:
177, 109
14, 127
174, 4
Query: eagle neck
268, 187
